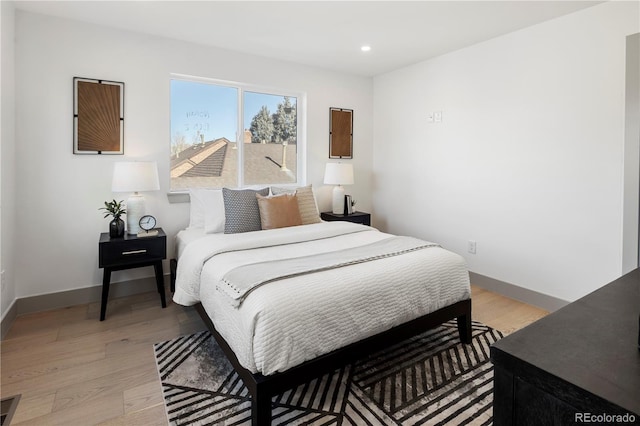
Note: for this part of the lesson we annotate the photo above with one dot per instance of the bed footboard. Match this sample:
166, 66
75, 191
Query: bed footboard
263, 388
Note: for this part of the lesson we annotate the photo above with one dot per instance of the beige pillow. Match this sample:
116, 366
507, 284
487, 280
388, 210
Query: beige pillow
279, 211
306, 202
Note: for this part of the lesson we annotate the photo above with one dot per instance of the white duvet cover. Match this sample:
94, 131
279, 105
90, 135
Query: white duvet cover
284, 323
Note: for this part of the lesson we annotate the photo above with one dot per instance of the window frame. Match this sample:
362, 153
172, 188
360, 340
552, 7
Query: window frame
301, 128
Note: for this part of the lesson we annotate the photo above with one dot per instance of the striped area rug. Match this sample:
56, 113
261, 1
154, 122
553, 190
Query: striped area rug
430, 379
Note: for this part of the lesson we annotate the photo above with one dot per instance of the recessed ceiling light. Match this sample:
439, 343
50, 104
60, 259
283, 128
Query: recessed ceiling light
365, 48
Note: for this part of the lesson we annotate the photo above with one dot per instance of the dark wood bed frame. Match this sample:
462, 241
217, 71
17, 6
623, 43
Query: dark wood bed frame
263, 388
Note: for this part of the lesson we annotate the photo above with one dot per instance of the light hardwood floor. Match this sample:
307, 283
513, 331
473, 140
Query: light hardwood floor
72, 369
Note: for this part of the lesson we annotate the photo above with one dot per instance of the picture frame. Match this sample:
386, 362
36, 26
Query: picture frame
340, 133
98, 116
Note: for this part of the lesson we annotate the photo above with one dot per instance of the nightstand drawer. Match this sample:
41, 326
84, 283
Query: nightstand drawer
118, 253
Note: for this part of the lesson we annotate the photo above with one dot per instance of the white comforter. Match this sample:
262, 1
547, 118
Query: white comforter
293, 320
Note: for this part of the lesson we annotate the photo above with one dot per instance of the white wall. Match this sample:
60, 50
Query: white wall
7, 156
58, 193
528, 160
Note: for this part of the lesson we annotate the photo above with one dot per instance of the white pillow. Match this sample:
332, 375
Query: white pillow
207, 210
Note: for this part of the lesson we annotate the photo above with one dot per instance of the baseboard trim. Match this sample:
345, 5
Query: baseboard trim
80, 296
8, 319
512, 291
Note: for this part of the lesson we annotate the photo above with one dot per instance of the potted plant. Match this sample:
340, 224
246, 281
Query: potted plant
115, 209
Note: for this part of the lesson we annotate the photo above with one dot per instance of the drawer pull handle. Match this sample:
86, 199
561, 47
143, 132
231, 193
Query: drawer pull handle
124, 253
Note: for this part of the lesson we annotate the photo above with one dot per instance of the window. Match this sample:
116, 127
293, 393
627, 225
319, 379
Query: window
233, 135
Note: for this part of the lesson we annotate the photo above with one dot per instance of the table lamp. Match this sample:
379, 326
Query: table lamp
338, 174
135, 176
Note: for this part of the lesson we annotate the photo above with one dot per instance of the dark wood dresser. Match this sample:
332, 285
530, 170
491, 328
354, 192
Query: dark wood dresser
577, 365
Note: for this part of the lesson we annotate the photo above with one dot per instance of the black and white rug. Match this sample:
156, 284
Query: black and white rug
430, 379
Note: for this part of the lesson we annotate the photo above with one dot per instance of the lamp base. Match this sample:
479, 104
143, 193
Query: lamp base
338, 200
135, 210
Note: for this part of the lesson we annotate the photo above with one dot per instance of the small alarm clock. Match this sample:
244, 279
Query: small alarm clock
147, 223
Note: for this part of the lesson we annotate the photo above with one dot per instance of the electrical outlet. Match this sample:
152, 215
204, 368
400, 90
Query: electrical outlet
471, 248
3, 281
437, 116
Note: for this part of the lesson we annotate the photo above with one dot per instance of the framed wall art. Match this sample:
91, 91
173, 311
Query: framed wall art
98, 116
340, 133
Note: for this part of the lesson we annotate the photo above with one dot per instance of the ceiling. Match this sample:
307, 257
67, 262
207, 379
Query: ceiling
326, 34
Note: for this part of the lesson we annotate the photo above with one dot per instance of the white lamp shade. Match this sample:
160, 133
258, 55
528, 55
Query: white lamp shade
338, 174
135, 176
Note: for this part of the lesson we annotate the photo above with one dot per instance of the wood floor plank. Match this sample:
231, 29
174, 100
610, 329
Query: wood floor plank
114, 321
82, 373
143, 397
40, 322
502, 313
91, 413
59, 365
30, 408
53, 356
22, 343
152, 416
72, 369
90, 390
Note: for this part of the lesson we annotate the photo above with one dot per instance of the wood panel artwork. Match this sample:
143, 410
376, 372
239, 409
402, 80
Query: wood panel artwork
98, 116
340, 133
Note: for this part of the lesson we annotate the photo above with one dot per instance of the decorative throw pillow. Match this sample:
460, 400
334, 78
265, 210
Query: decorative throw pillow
279, 211
206, 209
306, 202
241, 210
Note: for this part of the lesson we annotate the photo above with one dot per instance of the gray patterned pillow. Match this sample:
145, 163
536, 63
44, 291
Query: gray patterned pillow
241, 210
306, 202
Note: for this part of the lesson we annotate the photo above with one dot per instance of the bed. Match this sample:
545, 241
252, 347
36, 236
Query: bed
291, 303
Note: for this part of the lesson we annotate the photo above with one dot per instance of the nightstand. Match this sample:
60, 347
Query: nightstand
357, 217
129, 252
